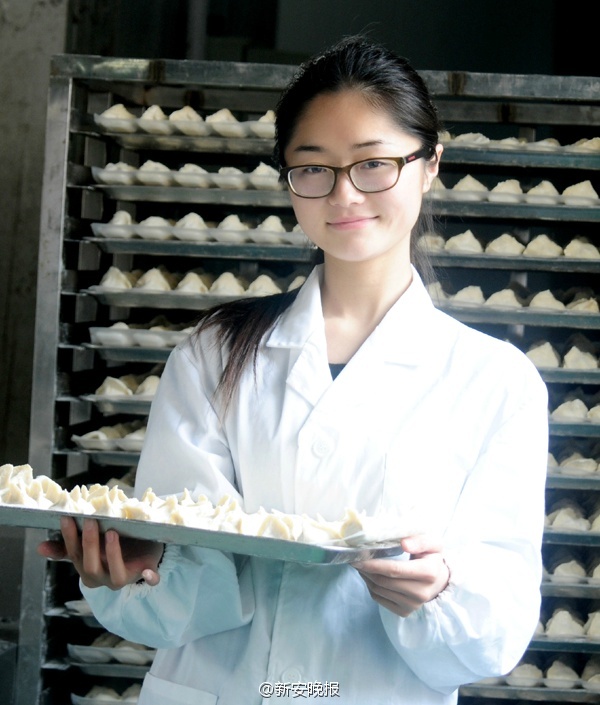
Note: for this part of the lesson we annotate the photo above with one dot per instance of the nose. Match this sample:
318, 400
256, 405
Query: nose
344, 192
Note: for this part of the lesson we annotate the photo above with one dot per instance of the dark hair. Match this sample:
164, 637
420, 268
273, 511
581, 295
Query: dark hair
390, 83
386, 80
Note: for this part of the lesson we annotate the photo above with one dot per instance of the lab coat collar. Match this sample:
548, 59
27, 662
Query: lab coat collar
405, 336
298, 323
405, 339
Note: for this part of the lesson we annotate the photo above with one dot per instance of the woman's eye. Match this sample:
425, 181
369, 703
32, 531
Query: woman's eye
313, 170
373, 164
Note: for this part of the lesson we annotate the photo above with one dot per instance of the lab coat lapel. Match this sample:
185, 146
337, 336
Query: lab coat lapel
301, 329
310, 375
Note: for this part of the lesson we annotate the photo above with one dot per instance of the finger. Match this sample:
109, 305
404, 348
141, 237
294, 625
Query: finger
90, 543
403, 609
53, 550
151, 577
403, 570
412, 592
421, 579
397, 602
383, 586
72, 541
407, 595
119, 575
123, 568
420, 545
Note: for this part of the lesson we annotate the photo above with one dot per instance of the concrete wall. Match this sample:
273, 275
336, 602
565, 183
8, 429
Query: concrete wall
30, 32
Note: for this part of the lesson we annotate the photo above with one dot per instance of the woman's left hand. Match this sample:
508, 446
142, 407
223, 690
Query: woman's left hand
403, 586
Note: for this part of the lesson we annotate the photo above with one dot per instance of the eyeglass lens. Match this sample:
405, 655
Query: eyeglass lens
369, 176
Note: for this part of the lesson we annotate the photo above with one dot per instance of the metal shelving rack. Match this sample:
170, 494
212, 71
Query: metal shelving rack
67, 366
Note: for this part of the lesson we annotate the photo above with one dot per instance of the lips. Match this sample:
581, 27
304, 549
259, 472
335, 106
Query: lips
352, 222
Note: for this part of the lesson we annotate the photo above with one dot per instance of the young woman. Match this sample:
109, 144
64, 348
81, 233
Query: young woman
352, 392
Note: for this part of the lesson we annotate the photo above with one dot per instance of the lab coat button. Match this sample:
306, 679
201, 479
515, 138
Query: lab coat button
291, 675
322, 447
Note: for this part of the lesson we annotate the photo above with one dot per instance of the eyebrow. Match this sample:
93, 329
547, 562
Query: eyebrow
359, 145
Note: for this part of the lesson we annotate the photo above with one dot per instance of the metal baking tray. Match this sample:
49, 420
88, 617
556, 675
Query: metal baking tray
119, 458
556, 480
258, 546
119, 405
582, 590
582, 645
521, 263
524, 156
522, 316
303, 253
185, 194
569, 376
225, 250
572, 538
130, 354
519, 211
586, 429
185, 143
540, 693
132, 298
114, 670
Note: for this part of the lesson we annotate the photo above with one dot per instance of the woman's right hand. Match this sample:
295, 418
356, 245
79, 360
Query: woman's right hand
111, 560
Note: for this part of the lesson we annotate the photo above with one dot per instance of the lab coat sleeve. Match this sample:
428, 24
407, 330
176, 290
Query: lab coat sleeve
481, 624
199, 592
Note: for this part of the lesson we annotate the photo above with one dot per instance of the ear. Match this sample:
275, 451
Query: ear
432, 167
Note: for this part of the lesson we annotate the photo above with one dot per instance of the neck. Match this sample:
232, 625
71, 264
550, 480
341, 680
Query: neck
365, 291
355, 298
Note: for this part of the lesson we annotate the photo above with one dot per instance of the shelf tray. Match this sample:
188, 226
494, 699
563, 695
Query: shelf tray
211, 144
281, 199
539, 694
582, 646
135, 353
245, 250
114, 670
523, 316
573, 482
585, 430
525, 157
118, 458
119, 405
189, 143
132, 298
573, 538
298, 253
519, 211
258, 546
521, 263
569, 376
578, 590
183, 194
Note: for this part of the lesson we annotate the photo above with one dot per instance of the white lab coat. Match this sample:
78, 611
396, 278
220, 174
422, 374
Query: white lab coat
428, 414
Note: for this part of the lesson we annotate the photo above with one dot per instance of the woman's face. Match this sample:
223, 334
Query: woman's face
337, 129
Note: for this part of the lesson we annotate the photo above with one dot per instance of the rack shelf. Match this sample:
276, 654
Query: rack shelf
173, 248
70, 259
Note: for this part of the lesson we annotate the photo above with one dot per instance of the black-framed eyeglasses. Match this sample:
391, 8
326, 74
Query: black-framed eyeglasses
367, 175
